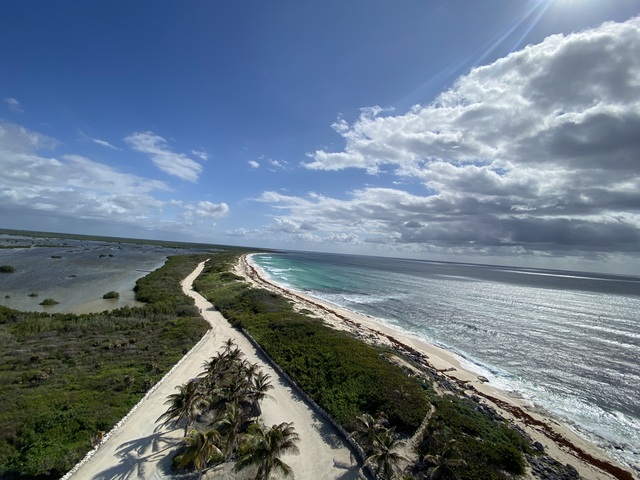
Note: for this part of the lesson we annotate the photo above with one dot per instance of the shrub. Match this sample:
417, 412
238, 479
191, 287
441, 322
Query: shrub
7, 269
111, 294
48, 302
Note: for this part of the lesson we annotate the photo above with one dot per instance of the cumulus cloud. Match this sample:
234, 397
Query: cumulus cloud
69, 185
157, 148
14, 105
253, 164
536, 152
206, 209
69, 188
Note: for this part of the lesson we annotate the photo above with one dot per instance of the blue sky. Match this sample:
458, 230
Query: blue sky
496, 131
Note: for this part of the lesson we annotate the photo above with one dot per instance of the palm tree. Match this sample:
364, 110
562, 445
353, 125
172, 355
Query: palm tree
444, 465
266, 447
367, 431
201, 448
228, 344
261, 385
229, 426
184, 404
385, 460
249, 370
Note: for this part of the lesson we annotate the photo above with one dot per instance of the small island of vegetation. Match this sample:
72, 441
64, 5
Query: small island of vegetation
47, 302
111, 295
7, 269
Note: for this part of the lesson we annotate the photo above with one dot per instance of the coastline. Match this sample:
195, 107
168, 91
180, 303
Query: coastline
558, 440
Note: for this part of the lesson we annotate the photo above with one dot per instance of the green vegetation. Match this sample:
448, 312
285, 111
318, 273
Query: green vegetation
343, 375
47, 302
461, 429
223, 404
7, 269
111, 295
264, 446
33, 294
65, 378
380, 446
355, 383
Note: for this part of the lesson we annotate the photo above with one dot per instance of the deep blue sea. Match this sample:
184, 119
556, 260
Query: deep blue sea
569, 342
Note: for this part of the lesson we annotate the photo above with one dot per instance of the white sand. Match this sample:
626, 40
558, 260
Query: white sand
139, 449
556, 438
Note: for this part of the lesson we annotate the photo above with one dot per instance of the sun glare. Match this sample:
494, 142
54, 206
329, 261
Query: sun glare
572, 3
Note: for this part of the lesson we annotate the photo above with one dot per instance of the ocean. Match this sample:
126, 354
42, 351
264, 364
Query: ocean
567, 342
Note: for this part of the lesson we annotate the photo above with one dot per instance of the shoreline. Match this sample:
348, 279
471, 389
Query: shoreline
558, 440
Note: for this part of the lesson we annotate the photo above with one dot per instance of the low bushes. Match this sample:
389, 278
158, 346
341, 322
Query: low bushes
345, 376
65, 377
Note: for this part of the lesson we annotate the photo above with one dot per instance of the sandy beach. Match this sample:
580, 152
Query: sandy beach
139, 448
558, 440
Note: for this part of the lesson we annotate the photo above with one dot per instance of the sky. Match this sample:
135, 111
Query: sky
494, 131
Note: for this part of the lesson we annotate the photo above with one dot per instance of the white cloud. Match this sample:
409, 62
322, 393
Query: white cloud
156, 147
206, 209
69, 185
14, 105
201, 154
537, 152
69, 189
103, 143
278, 163
253, 164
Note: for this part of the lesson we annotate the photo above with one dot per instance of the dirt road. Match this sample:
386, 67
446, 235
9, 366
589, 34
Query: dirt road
140, 449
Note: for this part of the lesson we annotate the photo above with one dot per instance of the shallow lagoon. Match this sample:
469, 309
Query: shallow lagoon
76, 273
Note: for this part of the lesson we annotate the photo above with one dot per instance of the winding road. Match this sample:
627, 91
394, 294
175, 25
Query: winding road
139, 448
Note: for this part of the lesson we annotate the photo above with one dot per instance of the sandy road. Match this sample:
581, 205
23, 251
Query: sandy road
140, 449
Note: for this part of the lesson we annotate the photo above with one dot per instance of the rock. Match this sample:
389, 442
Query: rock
483, 379
572, 472
538, 446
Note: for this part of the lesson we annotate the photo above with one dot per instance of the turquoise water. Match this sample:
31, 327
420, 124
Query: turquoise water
569, 342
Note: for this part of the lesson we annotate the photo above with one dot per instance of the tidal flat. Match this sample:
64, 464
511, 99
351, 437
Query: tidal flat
75, 272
